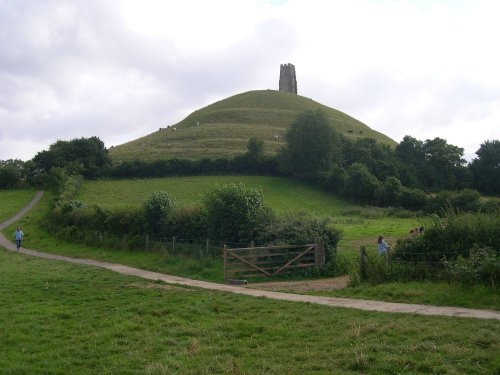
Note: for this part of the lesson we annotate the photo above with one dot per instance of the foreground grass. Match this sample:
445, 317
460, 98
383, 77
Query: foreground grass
64, 318
212, 269
13, 200
432, 293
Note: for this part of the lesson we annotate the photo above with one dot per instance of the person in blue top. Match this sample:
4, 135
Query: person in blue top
382, 245
18, 235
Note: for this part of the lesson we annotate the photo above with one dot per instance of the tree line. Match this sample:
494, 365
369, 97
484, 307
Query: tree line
361, 169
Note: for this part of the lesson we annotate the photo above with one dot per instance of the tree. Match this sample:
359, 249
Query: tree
158, 213
391, 191
433, 164
12, 172
313, 146
361, 184
486, 168
233, 211
379, 158
445, 162
255, 149
87, 156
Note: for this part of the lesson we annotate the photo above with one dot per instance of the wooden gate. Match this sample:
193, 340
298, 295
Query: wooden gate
271, 260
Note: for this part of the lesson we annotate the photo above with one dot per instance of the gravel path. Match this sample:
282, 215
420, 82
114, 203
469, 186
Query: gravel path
359, 304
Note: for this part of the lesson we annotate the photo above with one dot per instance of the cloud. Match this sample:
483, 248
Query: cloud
121, 69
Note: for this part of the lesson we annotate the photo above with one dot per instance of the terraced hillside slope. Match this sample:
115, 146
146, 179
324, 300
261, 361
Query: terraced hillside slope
223, 128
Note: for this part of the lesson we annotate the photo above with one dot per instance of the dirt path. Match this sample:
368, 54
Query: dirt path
301, 286
327, 301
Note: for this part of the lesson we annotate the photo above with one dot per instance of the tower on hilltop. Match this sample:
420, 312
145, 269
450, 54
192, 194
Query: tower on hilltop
288, 81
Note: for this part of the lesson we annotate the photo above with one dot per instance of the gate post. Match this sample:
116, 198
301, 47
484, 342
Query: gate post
319, 254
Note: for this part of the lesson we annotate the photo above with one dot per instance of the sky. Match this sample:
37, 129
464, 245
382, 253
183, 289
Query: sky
121, 69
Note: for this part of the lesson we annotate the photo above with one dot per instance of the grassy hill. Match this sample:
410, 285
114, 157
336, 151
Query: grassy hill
223, 128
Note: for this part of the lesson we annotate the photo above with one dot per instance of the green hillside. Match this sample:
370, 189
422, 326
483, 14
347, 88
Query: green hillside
223, 128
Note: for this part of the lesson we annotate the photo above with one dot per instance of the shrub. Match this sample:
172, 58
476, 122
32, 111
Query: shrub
191, 222
299, 229
490, 206
159, 213
412, 199
449, 238
464, 200
233, 211
391, 191
69, 206
481, 267
333, 180
361, 184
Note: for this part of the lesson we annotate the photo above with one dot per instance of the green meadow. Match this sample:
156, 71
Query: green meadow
280, 193
360, 227
11, 201
62, 318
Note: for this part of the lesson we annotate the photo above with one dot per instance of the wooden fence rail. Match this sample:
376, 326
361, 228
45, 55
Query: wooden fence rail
271, 260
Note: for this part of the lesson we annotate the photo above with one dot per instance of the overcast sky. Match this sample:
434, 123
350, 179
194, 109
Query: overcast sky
119, 70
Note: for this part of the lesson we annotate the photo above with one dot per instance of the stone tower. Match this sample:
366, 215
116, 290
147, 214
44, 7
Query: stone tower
288, 82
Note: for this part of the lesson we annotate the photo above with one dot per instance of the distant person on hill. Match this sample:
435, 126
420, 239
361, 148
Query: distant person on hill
18, 235
382, 245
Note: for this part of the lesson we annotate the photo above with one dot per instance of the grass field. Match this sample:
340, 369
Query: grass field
63, 318
11, 201
281, 194
224, 128
361, 229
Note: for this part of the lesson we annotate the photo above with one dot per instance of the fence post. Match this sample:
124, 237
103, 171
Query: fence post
316, 254
173, 244
225, 261
208, 244
147, 242
124, 240
319, 253
252, 244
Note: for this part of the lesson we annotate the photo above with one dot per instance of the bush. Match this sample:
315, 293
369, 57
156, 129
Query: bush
159, 214
481, 267
234, 212
449, 238
466, 200
412, 199
490, 206
300, 229
69, 206
391, 191
361, 184
191, 223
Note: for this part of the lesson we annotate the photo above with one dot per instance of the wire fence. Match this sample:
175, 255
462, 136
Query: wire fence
174, 245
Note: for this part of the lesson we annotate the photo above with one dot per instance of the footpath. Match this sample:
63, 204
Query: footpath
368, 305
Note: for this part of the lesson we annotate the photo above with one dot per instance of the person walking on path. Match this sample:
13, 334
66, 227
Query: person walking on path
18, 235
382, 245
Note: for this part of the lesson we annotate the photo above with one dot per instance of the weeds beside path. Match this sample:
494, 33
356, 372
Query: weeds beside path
367, 305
